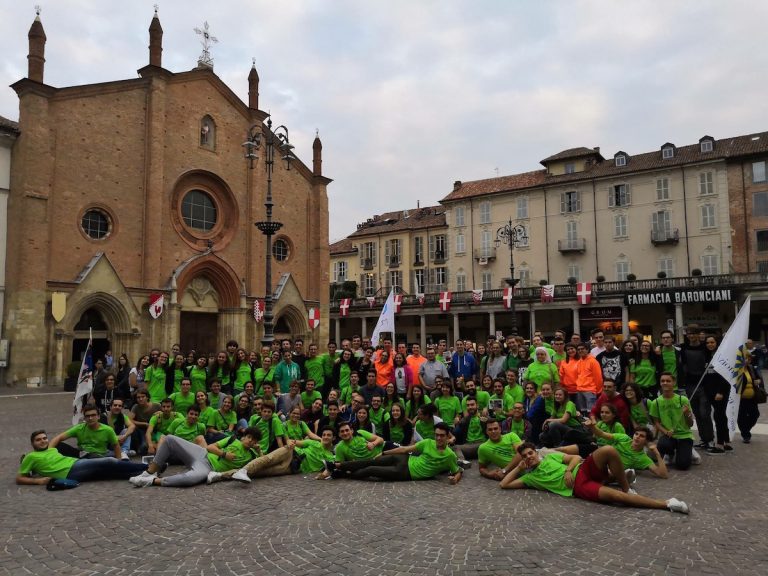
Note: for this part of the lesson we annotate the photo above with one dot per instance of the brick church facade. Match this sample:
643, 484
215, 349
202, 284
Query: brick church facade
125, 189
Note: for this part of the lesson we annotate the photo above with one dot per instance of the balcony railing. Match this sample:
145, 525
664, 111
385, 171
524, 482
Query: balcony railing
567, 292
368, 264
661, 237
485, 253
572, 245
394, 262
438, 257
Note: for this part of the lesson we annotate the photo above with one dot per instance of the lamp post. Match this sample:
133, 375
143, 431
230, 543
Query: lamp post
268, 227
511, 235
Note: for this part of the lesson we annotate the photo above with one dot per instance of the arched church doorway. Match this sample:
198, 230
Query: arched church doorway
199, 319
91, 322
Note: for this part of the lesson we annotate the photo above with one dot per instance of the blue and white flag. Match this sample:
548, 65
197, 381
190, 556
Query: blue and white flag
84, 383
386, 321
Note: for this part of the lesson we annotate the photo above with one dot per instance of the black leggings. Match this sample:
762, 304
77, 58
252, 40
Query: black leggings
391, 467
721, 420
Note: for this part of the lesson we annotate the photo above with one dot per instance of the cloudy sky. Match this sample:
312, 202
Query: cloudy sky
410, 95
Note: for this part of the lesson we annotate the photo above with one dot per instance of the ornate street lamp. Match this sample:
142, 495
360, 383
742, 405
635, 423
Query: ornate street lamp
268, 227
512, 235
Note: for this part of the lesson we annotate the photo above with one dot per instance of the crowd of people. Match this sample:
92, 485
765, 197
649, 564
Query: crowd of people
578, 418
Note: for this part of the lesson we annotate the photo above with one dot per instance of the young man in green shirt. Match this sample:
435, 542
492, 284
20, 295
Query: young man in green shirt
270, 426
497, 455
94, 439
122, 425
632, 451
224, 455
314, 368
433, 458
673, 418
470, 431
310, 394
359, 445
189, 428
483, 398
184, 398
568, 475
159, 424
46, 463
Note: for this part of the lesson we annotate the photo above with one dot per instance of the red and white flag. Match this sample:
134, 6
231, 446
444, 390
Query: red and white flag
156, 304
548, 293
477, 296
584, 292
258, 310
314, 318
420, 297
344, 306
371, 301
507, 296
445, 301
398, 299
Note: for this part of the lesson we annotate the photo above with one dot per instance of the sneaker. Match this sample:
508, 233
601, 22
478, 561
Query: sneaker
330, 467
631, 476
131, 453
715, 450
695, 457
631, 491
667, 459
465, 464
676, 505
142, 480
241, 476
124, 457
213, 477
746, 440
703, 445
728, 448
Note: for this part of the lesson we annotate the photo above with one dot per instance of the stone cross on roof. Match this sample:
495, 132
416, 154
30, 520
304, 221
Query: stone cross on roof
205, 58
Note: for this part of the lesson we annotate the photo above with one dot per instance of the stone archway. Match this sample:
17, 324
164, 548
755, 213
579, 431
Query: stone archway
290, 322
109, 319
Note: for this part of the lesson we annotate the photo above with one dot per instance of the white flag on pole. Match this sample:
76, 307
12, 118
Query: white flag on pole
84, 382
728, 361
386, 321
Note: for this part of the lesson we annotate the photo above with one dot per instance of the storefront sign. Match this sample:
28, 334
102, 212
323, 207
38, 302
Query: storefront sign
678, 297
600, 314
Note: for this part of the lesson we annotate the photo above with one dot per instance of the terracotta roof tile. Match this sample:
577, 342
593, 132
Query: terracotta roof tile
342, 247
418, 219
6, 123
572, 153
724, 149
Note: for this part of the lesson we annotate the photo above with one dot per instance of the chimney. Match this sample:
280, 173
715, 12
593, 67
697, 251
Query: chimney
253, 87
155, 42
36, 56
456, 185
317, 156
597, 149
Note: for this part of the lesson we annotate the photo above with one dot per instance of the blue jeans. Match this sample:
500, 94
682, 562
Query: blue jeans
104, 469
585, 401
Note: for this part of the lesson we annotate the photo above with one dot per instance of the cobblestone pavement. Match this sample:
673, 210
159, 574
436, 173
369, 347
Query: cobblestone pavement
299, 526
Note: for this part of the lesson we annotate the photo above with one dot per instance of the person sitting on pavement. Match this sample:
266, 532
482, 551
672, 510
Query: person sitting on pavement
226, 454
672, 416
470, 431
608, 422
159, 424
189, 428
122, 425
360, 445
497, 455
568, 475
94, 439
421, 461
271, 427
45, 463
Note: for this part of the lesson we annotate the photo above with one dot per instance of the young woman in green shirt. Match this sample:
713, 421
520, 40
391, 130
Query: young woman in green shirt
609, 422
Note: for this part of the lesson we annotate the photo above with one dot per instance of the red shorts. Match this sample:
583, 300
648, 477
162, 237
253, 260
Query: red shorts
589, 479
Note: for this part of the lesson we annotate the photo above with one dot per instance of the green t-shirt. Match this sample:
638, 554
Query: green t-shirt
630, 458
516, 393
356, 448
315, 371
425, 429
214, 400
569, 407
346, 394
224, 377
154, 378
307, 398
378, 417
517, 426
482, 397
396, 433
242, 456
645, 373
411, 408
260, 377
539, 372
550, 475
182, 402
448, 407
344, 372
499, 453
242, 375
49, 463
314, 454
615, 428
199, 377
670, 413
270, 430
161, 424
328, 361
183, 429
475, 431
178, 376
669, 357
431, 461
220, 421
506, 403
639, 414
96, 441
297, 431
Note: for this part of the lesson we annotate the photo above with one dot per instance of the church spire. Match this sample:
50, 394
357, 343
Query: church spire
155, 41
36, 56
317, 155
253, 87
